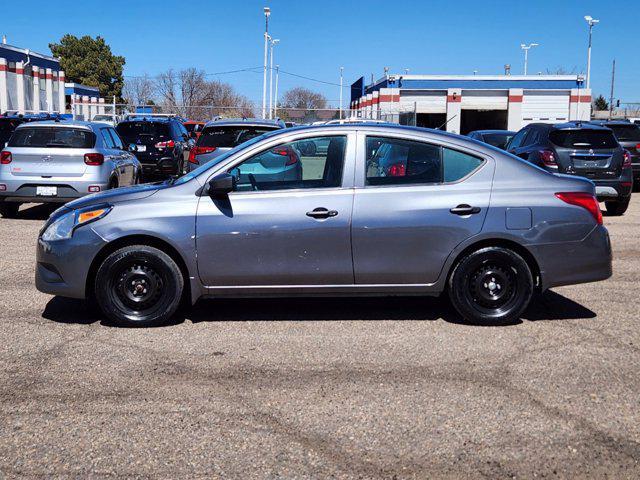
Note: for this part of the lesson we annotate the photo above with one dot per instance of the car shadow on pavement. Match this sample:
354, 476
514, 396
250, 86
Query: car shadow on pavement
37, 211
549, 306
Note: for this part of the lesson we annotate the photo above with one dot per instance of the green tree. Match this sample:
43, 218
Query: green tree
89, 61
600, 103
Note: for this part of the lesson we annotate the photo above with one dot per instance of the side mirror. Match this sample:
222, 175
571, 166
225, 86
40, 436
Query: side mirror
221, 185
132, 147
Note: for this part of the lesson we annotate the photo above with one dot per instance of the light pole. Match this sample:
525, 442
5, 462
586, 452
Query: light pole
275, 96
591, 21
526, 49
341, 71
267, 13
272, 42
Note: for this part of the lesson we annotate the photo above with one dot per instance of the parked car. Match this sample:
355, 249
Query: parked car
581, 149
628, 136
194, 129
347, 231
497, 138
220, 136
108, 119
9, 122
53, 161
160, 144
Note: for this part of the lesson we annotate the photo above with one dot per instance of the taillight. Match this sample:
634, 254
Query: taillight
548, 158
167, 144
397, 170
626, 163
584, 200
95, 159
199, 151
286, 152
5, 157
638, 147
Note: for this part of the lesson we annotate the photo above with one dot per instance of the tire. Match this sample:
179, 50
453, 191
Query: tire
491, 286
617, 208
139, 286
113, 183
9, 209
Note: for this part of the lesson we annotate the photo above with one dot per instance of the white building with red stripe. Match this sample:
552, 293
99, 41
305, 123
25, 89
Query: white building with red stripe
463, 103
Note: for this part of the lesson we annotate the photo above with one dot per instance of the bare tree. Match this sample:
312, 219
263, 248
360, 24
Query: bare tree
303, 98
560, 70
138, 91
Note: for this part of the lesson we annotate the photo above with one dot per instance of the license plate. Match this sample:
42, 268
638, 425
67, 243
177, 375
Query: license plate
47, 191
141, 148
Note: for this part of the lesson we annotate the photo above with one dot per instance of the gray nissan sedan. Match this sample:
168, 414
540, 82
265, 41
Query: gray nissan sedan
383, 210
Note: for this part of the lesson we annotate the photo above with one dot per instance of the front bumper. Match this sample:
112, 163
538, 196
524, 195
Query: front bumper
588, 260
62, 266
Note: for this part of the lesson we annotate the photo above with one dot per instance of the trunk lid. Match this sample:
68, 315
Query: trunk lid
48, 162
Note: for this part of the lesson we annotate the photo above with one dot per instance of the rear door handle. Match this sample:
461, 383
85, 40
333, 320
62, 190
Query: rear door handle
464, 209
321, 212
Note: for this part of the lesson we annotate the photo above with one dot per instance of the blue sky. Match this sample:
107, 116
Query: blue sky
317, 37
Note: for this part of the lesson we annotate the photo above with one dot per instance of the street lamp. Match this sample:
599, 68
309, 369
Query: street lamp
591, 21
275, 96
267, 13
341, 72
526, 49
272, 42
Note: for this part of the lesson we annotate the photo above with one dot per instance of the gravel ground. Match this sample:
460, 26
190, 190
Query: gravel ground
347, 388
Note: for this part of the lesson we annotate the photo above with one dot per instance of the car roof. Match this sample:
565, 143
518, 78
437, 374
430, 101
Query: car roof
245, 121
192, 122
58, 123
142, 118
485, 132
606, 123
577, 126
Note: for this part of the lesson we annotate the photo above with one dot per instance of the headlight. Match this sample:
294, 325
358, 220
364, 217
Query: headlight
63, 227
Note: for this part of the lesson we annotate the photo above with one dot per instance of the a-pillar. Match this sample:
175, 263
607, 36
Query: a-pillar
85, 108
20, 87
514, 111
454, 110
101, 106
62, 102
35, 104
580, 104
4, 97
49, 89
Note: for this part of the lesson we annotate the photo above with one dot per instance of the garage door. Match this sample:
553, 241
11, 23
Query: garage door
431, 101
546, 107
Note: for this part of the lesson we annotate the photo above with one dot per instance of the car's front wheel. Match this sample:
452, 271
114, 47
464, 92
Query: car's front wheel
617, 208
9, 209
491, 286
139, 286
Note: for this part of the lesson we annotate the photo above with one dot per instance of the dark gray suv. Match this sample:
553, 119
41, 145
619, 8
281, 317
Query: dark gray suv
581, 149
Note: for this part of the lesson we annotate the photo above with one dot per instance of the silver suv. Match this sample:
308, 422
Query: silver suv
55, 161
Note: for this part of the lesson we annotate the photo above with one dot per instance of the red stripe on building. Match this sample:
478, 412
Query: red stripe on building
36, 73
19, 71
580, 98
454, 98
3, 68
48, 76
375, 100
515, 98
389, 98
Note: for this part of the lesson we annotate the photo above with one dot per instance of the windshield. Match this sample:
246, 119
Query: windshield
52, 137
583, 139
626, 133
230, 136
218, 160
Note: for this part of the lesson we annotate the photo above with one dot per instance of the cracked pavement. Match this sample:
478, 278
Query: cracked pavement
321, 388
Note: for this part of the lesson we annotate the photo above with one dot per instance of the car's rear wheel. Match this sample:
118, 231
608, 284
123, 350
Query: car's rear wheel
618, 207
493, 285
9, 209
139, 286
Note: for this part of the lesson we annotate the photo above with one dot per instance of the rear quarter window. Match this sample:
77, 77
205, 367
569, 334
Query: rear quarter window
583, 139
626, 133
52, 137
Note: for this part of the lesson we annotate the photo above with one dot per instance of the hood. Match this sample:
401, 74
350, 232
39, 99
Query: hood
118, 195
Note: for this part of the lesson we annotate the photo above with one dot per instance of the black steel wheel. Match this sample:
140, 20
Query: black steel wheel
139, 285
492, 285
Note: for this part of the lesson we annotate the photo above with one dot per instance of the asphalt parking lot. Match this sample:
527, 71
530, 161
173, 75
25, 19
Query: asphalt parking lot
346, 388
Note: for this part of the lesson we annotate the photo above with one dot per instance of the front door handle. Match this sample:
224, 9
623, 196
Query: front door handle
321, 212
464, 209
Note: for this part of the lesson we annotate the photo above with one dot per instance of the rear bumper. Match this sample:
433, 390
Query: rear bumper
620, 187
588, 260
161, 167
27, 193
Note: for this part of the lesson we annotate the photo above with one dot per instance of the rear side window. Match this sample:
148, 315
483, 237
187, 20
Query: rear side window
583, 139
52, 137
108, 141
134, 130
392, 161
229, 137
626, 133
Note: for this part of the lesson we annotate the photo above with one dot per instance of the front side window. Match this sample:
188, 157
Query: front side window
392, 161
52, 137
309, 163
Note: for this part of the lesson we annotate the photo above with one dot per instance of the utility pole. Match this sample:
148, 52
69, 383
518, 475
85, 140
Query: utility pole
341, 74
526, 49
613, 79
272, 42
275, 97
267, 13
591, 21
